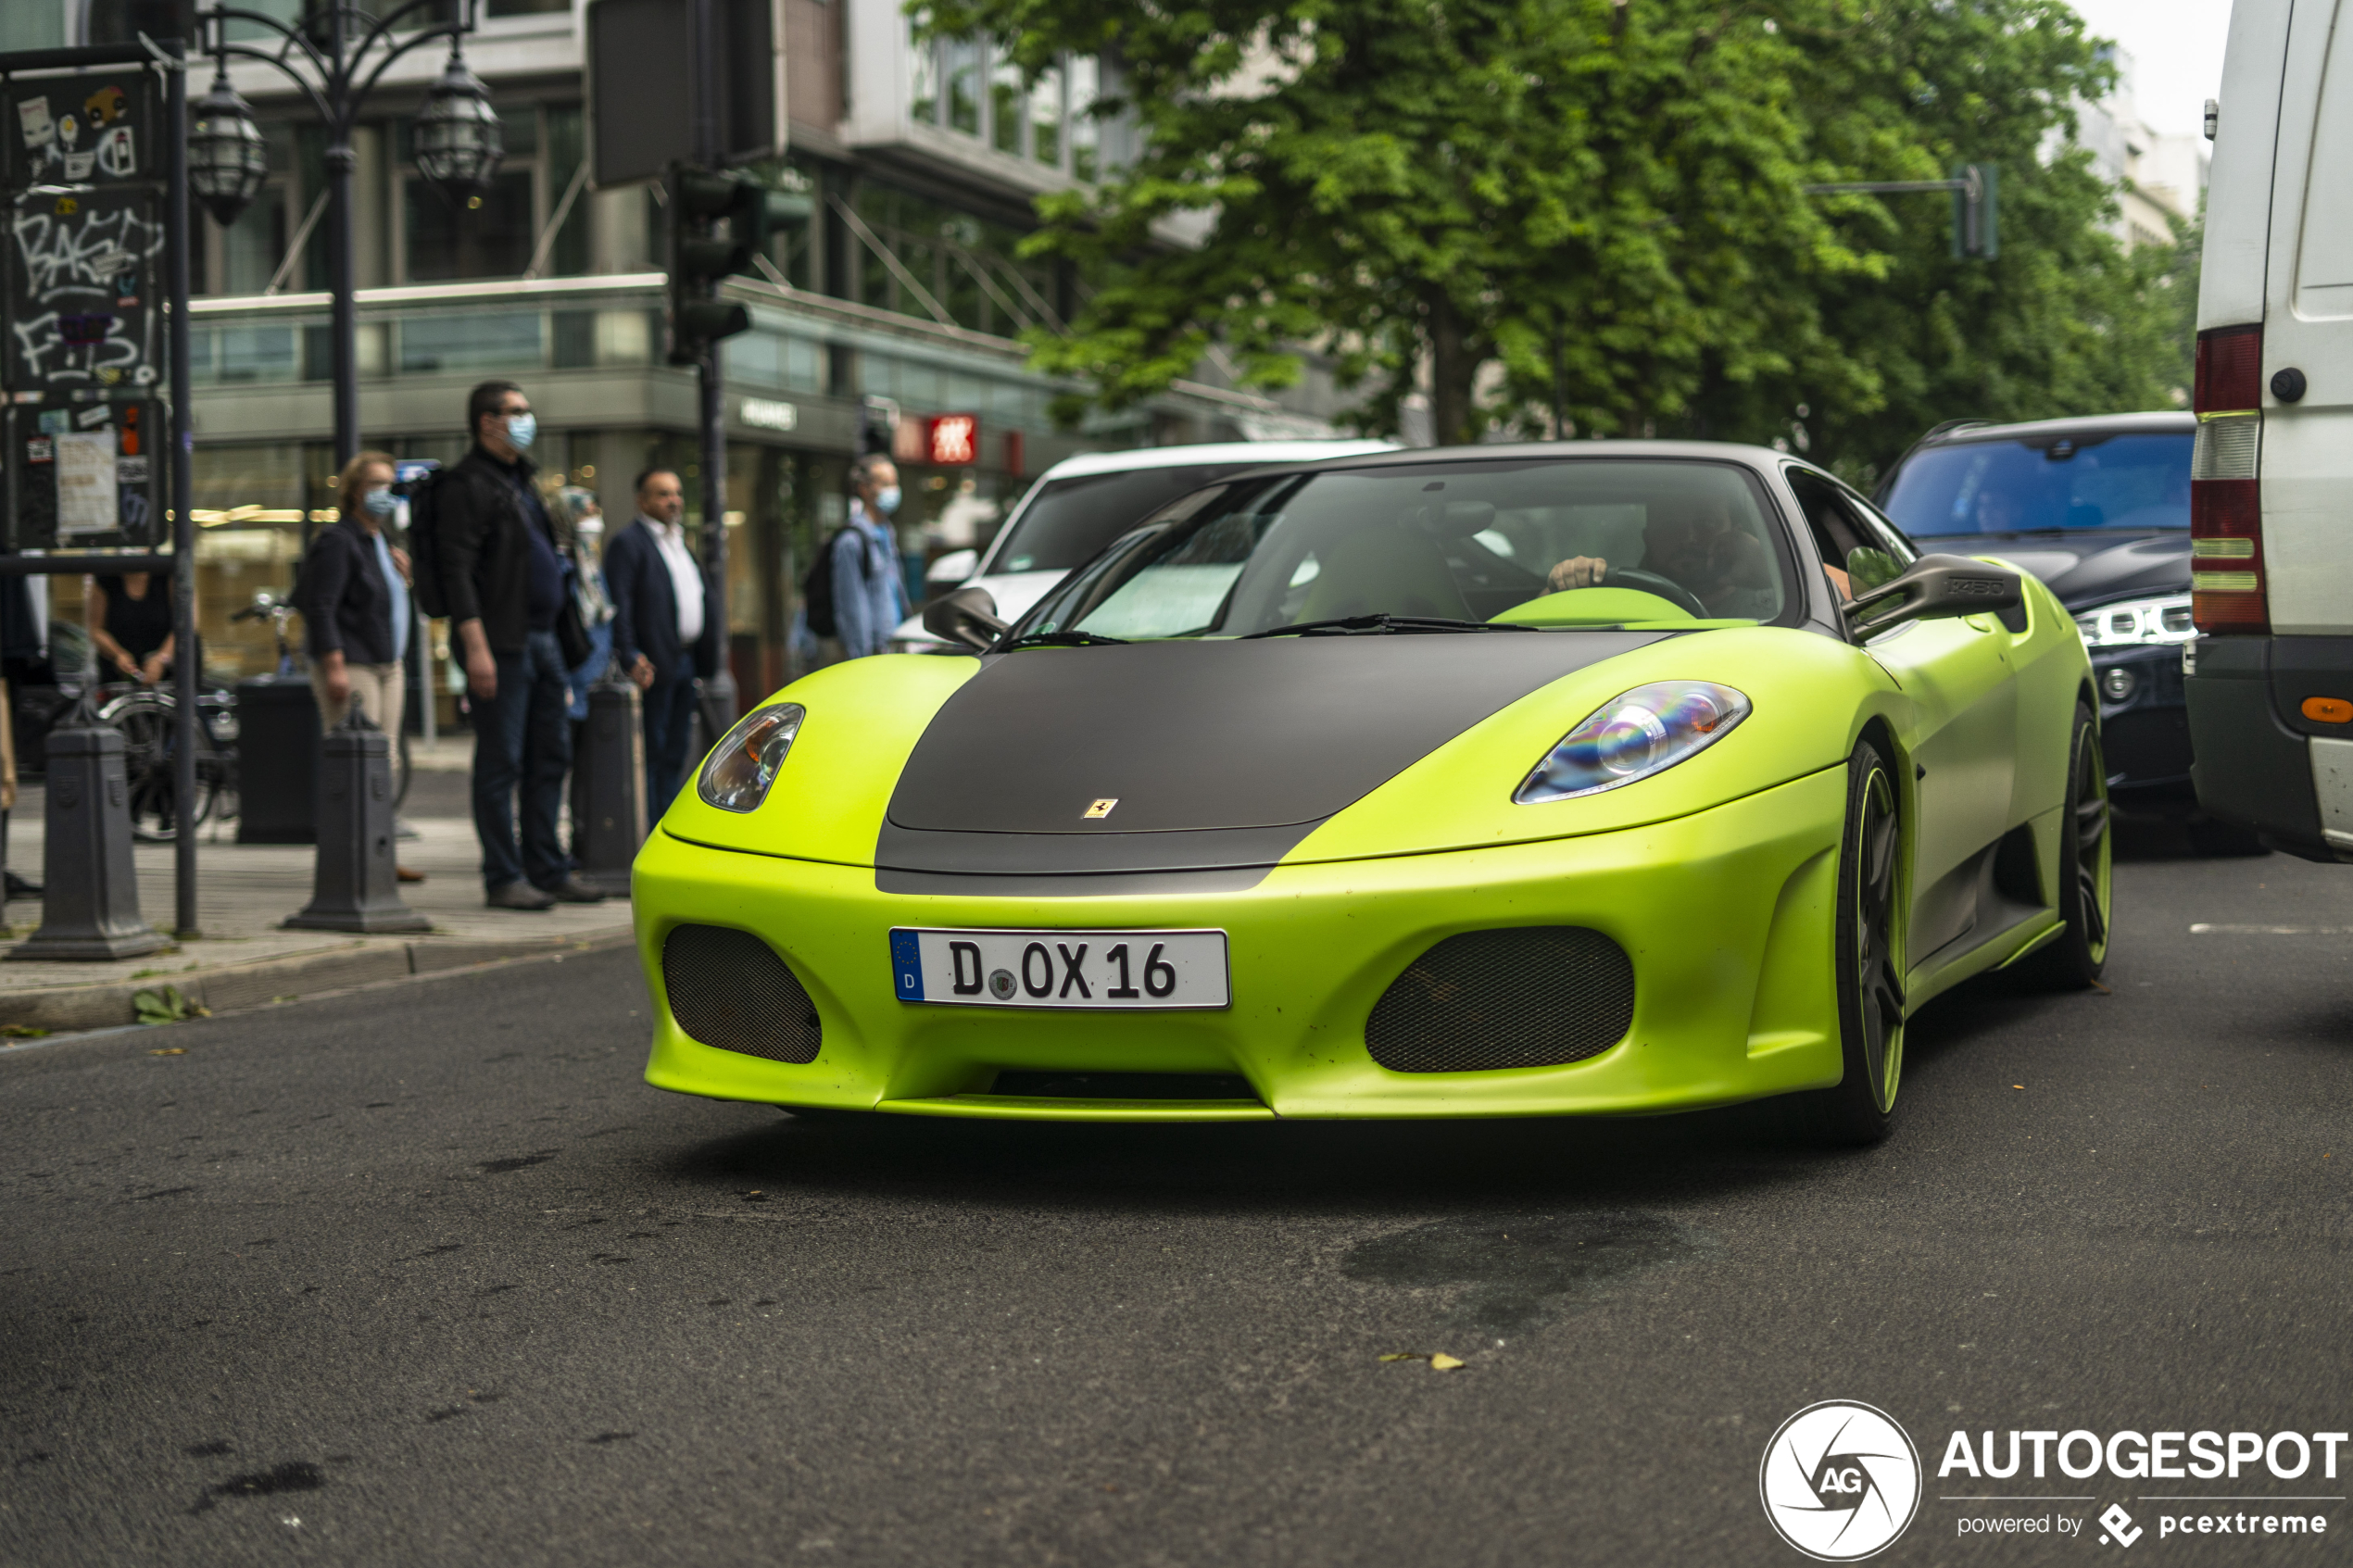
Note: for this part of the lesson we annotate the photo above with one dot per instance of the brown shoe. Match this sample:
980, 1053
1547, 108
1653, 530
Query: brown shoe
405, 874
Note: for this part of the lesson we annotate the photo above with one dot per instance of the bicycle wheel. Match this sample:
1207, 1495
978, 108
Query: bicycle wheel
145, 719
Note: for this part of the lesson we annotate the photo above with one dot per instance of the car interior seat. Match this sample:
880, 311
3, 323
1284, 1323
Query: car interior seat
1396, 570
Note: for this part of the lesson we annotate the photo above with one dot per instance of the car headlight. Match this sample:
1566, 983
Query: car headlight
736, 775
2137, 622
1633, 736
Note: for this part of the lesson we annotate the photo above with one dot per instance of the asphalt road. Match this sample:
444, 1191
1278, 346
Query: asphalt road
427, 1276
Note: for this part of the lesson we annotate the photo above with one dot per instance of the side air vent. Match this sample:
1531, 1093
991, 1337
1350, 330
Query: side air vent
1539, 995
729, 989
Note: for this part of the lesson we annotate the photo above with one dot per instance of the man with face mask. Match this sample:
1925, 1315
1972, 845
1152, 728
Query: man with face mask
515, 626
665, 626
870, 599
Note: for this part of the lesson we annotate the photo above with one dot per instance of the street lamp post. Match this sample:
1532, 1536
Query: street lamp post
456, 143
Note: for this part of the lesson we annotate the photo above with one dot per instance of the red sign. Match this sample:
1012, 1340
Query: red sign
954, 440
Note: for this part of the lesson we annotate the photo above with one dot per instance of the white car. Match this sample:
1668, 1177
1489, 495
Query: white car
1083, 503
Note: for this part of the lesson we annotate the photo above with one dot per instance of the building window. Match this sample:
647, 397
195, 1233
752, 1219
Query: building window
923, 85
1005, 105
962, 70
1085, 130
1046, 120
495, 236
966, 264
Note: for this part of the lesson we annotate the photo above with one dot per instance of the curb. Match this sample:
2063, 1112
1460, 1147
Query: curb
108, 1003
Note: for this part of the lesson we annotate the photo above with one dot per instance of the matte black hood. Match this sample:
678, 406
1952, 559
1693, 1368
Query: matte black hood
2086, 569
1218, 754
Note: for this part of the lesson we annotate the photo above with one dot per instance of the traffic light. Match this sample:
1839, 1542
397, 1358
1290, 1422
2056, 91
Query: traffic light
1975, 229
700, 205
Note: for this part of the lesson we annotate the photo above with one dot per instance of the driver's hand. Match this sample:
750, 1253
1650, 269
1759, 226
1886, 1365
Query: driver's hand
1578, 571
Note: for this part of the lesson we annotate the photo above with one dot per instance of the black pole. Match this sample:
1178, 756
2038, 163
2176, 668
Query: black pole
183, 523
345, 330
719, 699
340, 160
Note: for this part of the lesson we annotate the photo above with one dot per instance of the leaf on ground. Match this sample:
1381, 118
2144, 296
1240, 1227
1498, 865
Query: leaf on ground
1443, 1363
170, 1050
22, 1031
1406, 1356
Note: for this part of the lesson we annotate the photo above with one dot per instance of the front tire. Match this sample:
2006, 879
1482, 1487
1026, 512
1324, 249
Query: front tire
2073, 960
1869, 948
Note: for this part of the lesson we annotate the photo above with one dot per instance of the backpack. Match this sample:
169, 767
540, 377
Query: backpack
817, 589
424, 543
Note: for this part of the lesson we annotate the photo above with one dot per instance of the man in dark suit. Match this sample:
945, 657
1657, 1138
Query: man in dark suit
665, 628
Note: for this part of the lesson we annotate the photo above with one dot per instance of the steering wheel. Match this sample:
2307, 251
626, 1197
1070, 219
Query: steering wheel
1667, 588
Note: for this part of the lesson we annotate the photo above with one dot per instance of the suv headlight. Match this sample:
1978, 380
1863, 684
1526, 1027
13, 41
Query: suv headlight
2137, 622
1633, 736
736, 775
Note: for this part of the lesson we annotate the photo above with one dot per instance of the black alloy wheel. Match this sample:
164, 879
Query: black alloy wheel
2072, 960
1861, 1108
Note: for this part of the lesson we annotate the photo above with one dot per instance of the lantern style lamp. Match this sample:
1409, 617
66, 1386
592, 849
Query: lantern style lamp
456, 141
227, 161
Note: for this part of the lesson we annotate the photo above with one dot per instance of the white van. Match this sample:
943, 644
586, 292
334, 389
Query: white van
2270, 680
1083, 503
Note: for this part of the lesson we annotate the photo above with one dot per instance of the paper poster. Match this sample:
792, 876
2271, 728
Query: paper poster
87, 497
40, 129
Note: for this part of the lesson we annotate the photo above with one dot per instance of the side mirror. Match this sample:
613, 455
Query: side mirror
1936, 588
951, 569
968, 616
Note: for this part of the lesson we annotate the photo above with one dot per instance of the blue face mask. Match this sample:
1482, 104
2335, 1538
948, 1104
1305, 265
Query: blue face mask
379, 503
886, 499
521, 431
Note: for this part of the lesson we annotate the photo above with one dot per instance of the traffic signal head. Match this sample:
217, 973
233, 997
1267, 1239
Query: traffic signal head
698, 202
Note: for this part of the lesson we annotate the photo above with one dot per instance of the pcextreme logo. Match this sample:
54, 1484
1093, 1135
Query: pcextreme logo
1839, 1481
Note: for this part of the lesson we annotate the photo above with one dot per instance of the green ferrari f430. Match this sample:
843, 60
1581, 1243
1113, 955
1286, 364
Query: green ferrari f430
1592, 778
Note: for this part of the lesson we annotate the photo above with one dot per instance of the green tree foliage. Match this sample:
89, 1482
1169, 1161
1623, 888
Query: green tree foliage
1592, 210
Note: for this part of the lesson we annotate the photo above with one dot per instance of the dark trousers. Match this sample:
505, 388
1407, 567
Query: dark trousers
523, 744
670, 731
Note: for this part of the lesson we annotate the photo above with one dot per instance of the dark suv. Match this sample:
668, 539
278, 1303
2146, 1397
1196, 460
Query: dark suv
2098, 509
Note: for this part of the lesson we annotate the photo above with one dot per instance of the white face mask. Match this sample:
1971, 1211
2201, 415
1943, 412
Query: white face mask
521, 431
589, 528
886, 499
379, 503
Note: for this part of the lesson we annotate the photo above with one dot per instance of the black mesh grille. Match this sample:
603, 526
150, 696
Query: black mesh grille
1540, 995
729, 989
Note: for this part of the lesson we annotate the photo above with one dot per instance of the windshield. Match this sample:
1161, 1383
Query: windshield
1069, 520
1449, 542
2119, 481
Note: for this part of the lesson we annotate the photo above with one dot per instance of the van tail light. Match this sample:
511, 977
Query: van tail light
2226, 499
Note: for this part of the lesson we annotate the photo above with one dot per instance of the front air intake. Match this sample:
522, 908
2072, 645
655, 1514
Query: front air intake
729, 989
1539, 995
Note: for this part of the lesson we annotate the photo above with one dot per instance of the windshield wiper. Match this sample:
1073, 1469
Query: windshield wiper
1351, 624
1063, 640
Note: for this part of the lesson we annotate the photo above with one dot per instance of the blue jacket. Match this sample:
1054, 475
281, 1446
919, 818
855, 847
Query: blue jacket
868, 599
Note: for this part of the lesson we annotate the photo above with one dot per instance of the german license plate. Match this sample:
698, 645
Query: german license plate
1113, 970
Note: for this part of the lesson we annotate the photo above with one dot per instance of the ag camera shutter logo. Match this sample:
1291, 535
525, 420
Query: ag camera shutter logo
1839, 1481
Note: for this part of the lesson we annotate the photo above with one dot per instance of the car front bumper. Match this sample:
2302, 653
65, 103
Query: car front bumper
2145, 725
1727, 916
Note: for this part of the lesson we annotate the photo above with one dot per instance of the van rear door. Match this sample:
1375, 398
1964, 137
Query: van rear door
2307, 444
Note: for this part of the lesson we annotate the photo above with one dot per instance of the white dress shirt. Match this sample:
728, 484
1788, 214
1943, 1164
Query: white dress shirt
686, 577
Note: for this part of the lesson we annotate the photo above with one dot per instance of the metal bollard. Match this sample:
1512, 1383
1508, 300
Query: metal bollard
356, 885
609, 788
91, 909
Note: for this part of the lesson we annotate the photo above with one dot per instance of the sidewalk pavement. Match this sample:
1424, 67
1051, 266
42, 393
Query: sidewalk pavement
245, 891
